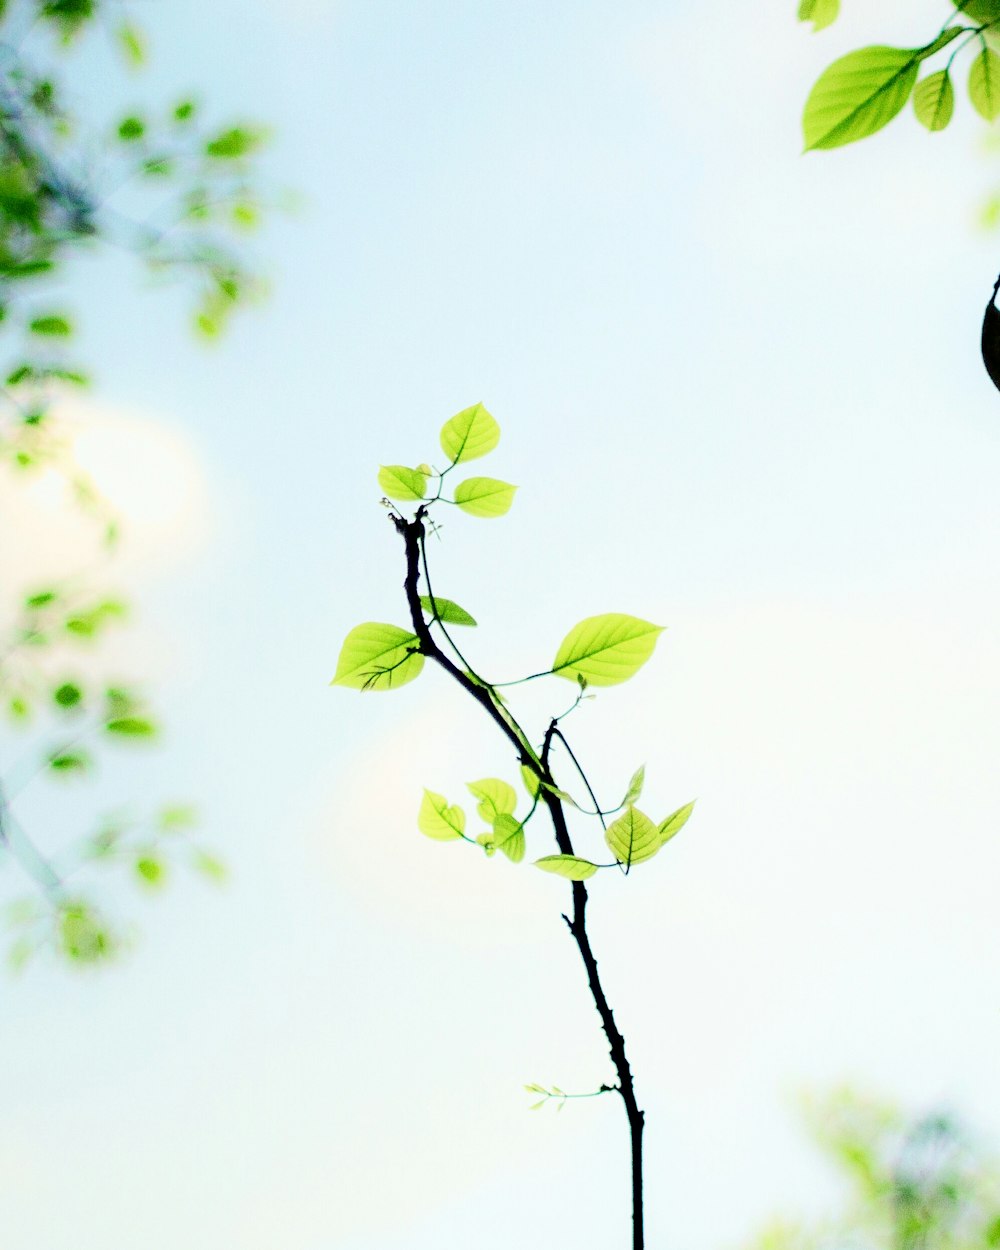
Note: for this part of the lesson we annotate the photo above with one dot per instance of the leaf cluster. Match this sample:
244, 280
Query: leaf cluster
862, 92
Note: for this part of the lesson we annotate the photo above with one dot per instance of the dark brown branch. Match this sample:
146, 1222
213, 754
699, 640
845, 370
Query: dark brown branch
412, 533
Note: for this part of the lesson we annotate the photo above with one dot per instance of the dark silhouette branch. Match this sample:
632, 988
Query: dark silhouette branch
412, 533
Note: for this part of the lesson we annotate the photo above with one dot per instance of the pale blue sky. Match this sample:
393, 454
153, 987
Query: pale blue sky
740, 391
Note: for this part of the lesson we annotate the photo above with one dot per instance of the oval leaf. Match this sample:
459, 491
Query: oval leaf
821, 13
131, 727
446, 610
469, 434
508, 836
984, 84
635, 786
859, 94
633, 837
675, 823
378, 657
934, 100
439, 821
605, 650
399, 482
496, 798
484, 496
567, 866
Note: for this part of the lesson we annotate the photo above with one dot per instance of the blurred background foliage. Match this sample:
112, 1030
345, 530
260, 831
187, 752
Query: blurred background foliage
179, 194
919, 1183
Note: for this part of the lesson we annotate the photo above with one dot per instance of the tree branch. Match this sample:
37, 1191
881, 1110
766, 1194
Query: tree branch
412, 533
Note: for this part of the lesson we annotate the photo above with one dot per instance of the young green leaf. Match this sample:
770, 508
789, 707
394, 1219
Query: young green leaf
130, 727
378, 657
633, 837
446, 610
67, 695
675, 823
508, 836
859, 94
439, 821
934, 100
484, 496
984, 84
561, 795
402, 483
69, 761
52, 327
496, 798
469, 434
605, 650
821, 13
529, 779
150, 870
634, 790
570, 866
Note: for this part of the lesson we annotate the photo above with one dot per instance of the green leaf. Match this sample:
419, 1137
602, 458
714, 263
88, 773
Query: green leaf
934, 100
150, 870
496, 798
942, 41
469, 434
821, 13
232, 144
675, 822
41, 599
508, 836
131, 43
378, 657
605, 650
82, 936
130, 129
633, 837
67, 695
439, 821
69, 761
984, 84
399, 482
859, 94
52, 327
209, 866
635, 786
570, 866
446, 610
561, 795
484, 496
131, 727
176, 817
530, 779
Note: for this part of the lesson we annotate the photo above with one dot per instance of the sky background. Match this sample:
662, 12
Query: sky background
740, 391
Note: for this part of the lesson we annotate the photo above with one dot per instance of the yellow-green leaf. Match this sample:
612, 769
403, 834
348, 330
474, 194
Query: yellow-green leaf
484, 496
446, 610
633, 837
821, 13
378, 657
635, 786
675, 822
530, 779
469, 434
984, 84
402, 483
859, 94
508, 836
496, 798
438, 820
934, 100
569, 866
605, 650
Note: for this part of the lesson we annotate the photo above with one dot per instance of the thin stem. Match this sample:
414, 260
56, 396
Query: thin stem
412, 533
558, 733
